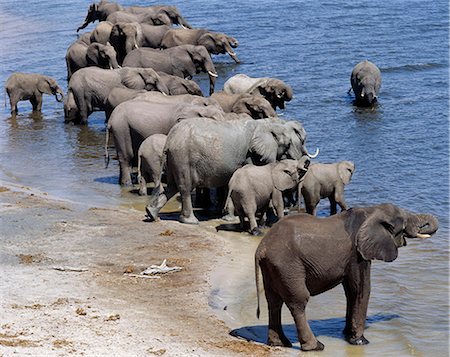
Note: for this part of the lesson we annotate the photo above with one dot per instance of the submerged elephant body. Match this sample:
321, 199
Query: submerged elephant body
302, 256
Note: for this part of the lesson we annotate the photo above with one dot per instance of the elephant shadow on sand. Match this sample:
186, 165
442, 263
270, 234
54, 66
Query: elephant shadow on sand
327, 327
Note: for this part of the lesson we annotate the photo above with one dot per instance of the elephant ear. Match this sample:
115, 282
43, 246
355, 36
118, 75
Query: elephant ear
375, 237
345, 170
283, 176
207, 40
93, 53
132, 79
264, 145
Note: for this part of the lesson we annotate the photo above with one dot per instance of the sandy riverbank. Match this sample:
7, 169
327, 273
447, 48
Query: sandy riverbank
99, 310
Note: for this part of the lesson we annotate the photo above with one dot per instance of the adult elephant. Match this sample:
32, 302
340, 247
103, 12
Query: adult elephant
274, 90
101, 33
204, 153
80, 55
366, 82
183, 61
133, 121
162, 14
89, 87
165, 15
125, 37
99, 12
303, 256
255, 106
215, 42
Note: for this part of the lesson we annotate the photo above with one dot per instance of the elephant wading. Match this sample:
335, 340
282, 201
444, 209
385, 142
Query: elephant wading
204, 153
303, 256
366, 82
89, 88
254, 105
99, 12
274, 90
31, 86
183, 61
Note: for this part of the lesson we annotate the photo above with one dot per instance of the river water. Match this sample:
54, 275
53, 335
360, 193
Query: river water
400, 148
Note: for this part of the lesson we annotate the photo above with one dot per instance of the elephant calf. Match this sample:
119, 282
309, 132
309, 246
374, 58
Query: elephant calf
149, 161
252, 187
326, 180
30, 86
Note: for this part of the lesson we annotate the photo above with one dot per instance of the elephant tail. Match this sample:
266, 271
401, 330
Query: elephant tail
139, 162
106, 147
257, 283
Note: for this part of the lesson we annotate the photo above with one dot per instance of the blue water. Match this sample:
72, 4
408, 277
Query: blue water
400, 148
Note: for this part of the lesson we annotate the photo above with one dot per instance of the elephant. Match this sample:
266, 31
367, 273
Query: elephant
183, 61
274, 90
366, 82
149, 161
215, 42
326, 180
30, 86
99, 12
303, 256
133, 121
153, 35
255, 106
89, 87
125, 37
251, 188
161, 14
101, 33
202, 152
80, 55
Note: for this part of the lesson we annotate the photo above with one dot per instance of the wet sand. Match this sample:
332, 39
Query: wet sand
64, 291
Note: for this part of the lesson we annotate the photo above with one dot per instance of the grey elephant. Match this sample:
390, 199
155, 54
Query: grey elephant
30, 86
366, 82
161, 14
303, 256
215, 42
183, 61
80, 55
133, 121
326, 181
125, 37
252, 188
149, 162
89, 87
274, 90
99, 12
101, 33
202, 152
254, 105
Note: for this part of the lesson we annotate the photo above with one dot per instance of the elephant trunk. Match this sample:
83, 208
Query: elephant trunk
231, 52
422, 226
183, 23
59, 92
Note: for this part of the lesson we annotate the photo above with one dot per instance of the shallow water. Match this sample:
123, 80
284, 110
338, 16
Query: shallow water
400, 148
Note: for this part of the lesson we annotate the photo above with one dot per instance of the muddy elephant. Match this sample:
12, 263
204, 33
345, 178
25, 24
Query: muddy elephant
254, 105
274, 90
215, 42
326, 181
303, 256
183, 61
202, 152
252, 188
89, 87
149, 162
80, 55
366, 82
30, 86
99, 12
133, 121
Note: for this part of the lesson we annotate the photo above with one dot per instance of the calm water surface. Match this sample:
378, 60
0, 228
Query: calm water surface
400, 148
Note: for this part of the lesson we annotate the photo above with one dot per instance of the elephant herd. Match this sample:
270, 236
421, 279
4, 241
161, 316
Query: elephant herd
138, 65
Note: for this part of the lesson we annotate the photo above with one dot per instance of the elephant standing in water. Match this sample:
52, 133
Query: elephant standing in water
303, 256
366, 82
274, 90
31, 86
215, 42
254, 105
99, 12
183, 61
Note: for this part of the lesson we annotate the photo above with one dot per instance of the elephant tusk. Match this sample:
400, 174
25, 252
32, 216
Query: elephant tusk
110, 67
212, 74
315, 154
423, 236
136, 46
231, 53
119, 66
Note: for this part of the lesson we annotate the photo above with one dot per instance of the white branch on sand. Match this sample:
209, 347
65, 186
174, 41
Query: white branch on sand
156, 269
78, 270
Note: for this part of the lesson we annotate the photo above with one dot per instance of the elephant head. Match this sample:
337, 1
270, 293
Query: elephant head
346, 170
286, 174
92, 15
143, 78
203, 63
298, 138
169, 15
125, 37
49, 86
103, 56
384, 229
255, 106
217, 43
275, 91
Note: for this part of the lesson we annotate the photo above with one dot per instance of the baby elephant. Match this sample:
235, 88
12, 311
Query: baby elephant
31, 86
366, 82
149, 161
252, 187
326, 180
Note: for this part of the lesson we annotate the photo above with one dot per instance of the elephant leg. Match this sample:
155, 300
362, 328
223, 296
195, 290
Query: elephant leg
339, 198
278, 203
13, 100
159, 198
142, 186
125, 171
250, 211
311, 206
184, 185
333, 206
357, 292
